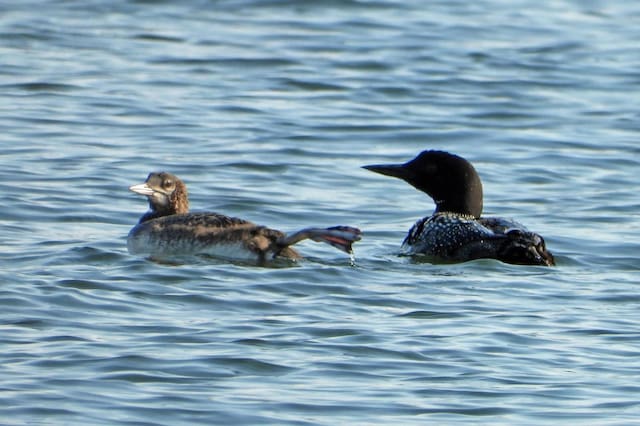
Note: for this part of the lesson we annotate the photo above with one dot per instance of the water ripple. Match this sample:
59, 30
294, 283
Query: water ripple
268, 110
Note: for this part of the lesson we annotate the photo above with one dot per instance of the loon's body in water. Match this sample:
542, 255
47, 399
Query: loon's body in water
169, 230
456, 232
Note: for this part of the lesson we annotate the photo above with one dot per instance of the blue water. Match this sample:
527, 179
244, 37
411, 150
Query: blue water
267, 109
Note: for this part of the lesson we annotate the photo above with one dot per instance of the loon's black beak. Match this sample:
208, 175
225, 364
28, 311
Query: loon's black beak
393, 170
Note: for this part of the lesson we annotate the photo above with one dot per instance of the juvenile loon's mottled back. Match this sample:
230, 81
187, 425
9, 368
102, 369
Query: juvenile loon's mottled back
456, 232
169, 230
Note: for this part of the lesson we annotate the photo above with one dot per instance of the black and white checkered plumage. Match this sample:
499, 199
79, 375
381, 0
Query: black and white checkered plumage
456, 232
453, 237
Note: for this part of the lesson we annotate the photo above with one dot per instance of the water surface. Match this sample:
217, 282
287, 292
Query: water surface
267, 109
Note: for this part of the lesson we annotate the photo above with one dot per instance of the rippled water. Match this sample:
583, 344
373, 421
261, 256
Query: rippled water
267, 109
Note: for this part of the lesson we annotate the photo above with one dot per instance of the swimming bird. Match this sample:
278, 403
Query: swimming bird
456, 231
168, 229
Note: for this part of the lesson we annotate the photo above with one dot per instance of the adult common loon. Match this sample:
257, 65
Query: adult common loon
168, 229
456, 232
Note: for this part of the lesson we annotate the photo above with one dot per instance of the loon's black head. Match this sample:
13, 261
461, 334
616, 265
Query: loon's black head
450, 180
166, 193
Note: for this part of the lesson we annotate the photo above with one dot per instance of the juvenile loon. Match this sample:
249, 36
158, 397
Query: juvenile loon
168, 229
456, 232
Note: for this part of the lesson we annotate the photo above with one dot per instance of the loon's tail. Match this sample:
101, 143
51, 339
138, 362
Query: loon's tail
525, 248
340, 237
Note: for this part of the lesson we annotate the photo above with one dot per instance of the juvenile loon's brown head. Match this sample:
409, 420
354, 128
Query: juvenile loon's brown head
166, 193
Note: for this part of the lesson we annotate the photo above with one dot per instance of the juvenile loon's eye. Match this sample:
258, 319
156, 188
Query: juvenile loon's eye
167, 184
